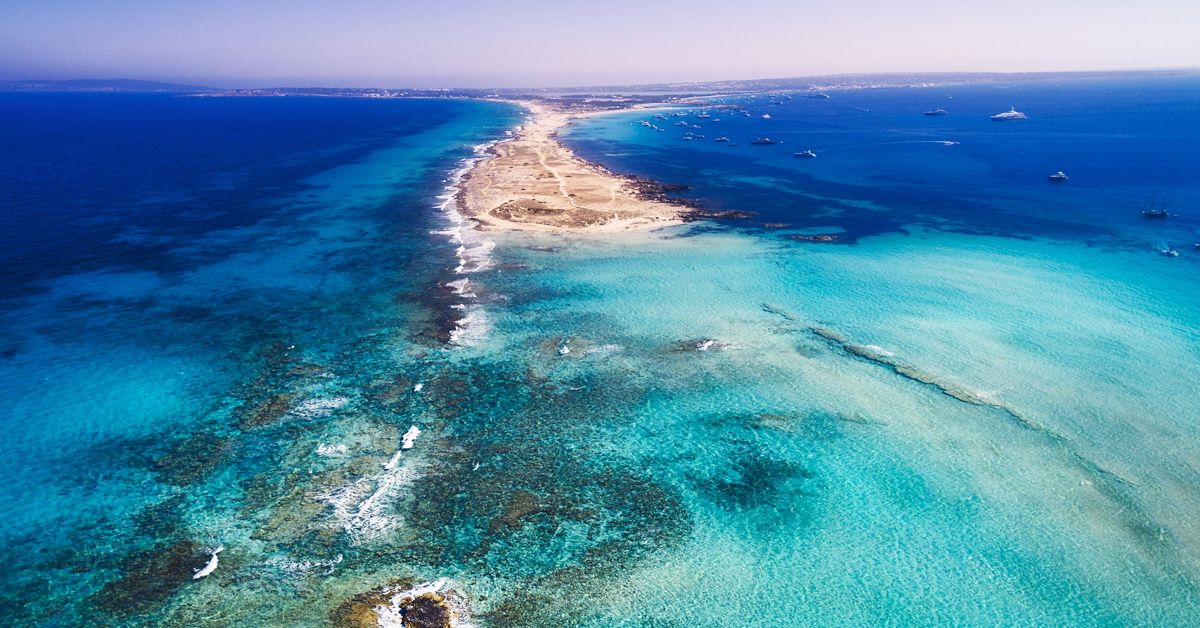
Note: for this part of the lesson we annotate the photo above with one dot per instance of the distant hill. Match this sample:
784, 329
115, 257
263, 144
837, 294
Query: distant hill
101, 85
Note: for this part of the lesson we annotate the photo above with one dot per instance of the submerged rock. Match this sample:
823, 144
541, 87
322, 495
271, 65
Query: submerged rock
819, 237
149, 577
700, 214
265, 412
428, 605
699, 344
522, 504
192, 459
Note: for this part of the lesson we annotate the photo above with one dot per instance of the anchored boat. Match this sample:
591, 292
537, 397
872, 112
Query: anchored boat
1011, 114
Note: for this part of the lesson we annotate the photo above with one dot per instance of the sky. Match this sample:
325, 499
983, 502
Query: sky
541, 43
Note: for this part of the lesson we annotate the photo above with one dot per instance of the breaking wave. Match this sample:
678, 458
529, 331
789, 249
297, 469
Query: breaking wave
473, 251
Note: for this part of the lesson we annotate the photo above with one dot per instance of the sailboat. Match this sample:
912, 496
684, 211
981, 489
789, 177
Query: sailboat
1151, 212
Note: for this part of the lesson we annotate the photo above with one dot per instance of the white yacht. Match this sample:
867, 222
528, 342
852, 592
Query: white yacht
1011, 114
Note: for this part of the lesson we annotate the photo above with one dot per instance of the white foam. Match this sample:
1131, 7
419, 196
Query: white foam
455, 234
475, 258
459, 286
410, 436
712, 344
392, 615
319, 407
210, 567
330, 451
471, 329
418, 387
474, 251
363, 509
305, 566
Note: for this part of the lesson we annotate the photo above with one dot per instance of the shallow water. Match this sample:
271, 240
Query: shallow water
958, 419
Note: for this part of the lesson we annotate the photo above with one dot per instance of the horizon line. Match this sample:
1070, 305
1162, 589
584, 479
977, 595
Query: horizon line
805, 77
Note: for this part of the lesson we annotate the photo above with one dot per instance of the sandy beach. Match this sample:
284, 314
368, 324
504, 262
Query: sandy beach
534, 182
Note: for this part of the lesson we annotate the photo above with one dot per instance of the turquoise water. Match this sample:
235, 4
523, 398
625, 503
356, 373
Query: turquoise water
826, 486
961, 412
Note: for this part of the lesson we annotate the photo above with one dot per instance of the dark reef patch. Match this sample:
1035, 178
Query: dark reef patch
429, 609
265, 412
752, 481
521, 504
151, 576
192, 459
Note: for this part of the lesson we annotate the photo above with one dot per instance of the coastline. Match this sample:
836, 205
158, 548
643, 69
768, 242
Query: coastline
533, 182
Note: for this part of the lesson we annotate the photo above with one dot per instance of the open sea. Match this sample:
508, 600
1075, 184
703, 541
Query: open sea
976, 403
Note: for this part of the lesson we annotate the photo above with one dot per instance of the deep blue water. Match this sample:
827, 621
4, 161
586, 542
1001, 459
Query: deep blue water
1120, 141
163, 257
84, 171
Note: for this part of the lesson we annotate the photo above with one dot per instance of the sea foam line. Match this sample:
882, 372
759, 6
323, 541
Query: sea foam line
473, 250
364, 508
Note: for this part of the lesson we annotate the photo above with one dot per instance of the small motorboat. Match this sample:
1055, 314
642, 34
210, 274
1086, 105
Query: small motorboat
805, 154
1059, 177
936, 112
763, 141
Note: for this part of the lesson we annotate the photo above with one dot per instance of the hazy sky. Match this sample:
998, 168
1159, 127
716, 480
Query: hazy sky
540, 42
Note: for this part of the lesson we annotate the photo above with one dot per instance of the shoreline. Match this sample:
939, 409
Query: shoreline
533, 182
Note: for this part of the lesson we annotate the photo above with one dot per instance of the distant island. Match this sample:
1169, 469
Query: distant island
650, 91
103, 85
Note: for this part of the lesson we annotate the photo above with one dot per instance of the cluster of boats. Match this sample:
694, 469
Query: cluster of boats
1153, 209
766, 141
1011, 114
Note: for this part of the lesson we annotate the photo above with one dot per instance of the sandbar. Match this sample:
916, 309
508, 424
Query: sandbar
533, 182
